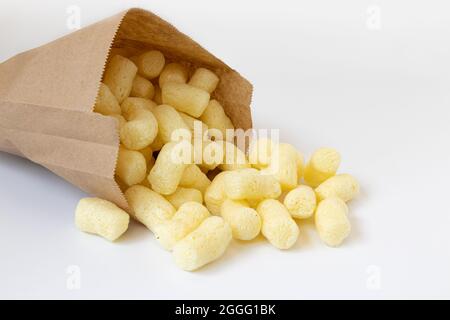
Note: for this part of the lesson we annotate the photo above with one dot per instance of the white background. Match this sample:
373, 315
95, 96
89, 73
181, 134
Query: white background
328, 73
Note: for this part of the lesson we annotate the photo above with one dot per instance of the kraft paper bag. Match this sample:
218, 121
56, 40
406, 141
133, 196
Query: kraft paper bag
47, 96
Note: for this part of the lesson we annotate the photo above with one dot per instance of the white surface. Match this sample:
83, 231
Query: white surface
380, 96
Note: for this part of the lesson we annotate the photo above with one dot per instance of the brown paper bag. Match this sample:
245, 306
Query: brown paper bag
47, 96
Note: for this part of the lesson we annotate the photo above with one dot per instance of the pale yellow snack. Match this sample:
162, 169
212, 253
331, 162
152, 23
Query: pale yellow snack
106, 103
301, 202
171, 125
148, 207
120, 121
132, 104
244, 221
131, 166
169, 167
197, 127
150, 64
187, 218
277, 224
185, 98
283, 165
142, 88
332, 222
140, 130
183, 195
119, 75
215, 194
250, 185
205, 244
343, 186
234, 158
193, 177
204, 79
323, 164
101, 217
173, 72
215, 117
260, 152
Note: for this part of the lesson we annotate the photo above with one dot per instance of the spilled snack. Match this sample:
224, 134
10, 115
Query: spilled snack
188, 182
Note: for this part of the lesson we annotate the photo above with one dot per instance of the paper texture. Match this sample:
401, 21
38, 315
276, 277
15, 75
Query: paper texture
47, 96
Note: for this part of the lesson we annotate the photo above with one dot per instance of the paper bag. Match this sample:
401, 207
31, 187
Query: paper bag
47, 96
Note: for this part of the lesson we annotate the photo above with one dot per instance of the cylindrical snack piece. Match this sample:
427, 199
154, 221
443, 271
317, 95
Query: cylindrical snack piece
332, 222
101, 217
150, 64
171, 125
249, 185
119, 75
170, 164
185, 98
301, 202
204, 79
215, 117
277, 224
323, 164
173, 72
193, 177
244, 221
183, 195
140, 130
343, 186
142, 88
187, 218
148, 207
205, 244
131, 167
106, 102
